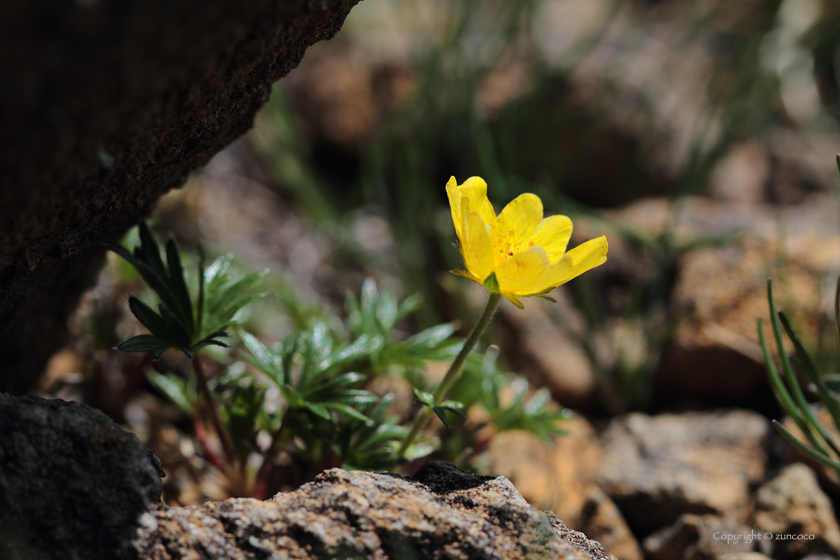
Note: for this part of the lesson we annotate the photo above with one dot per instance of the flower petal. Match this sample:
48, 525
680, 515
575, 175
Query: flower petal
517, 225
574, 263
474, 192
476, 247
553, 236
520, 273
514, 300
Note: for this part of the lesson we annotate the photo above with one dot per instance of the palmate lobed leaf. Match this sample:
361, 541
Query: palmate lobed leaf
178, 322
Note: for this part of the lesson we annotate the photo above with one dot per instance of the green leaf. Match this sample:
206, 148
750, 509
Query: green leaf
158, 285
832, 384
779, 389
810, 369
318, 409
408, 305
441, 413
179, 286
150, 250
431, 337
173, 388
142, 343
199, 323
175, 331
263, 359
423, 397
492, 284
386, 311
122, 252
809, 451
348, 410
210, 342
146, 315
368, 302
790, 377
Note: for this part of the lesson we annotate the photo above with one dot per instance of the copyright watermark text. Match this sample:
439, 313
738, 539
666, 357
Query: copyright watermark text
734, 538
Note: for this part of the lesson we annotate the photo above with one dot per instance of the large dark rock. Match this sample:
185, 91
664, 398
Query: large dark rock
104, 106
440, 513
72, 483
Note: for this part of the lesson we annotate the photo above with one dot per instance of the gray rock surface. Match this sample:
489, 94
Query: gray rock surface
105, 105
440, 513
73, 484
794, 508
656, 468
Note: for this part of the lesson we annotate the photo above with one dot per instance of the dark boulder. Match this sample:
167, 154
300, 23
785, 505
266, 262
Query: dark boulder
104, 106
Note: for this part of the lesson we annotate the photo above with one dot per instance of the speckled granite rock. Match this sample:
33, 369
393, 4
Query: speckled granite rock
656, 468
440, 513
73, 484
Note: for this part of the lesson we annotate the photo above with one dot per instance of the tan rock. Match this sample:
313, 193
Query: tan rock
601, 521
440, 513
743, 556
794, 508
657, 468
553, 478
700, 537
560, 479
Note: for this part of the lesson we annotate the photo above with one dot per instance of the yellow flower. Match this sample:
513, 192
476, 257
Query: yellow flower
517, 254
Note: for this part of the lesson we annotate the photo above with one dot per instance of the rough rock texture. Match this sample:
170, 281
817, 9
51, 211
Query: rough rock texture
104, 106
793, 505
602, 521
440, 513
657, 468
700, 537
560, 479
72, 483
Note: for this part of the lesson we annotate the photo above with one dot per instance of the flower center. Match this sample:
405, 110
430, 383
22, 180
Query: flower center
506, 246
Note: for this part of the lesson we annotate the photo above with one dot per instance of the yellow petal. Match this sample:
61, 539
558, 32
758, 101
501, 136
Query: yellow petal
514, 300
584, 257
465, 274
476, 247
473, 195
517, 225
553, 236
520, 273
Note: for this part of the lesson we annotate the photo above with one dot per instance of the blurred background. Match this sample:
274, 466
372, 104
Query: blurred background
698, 135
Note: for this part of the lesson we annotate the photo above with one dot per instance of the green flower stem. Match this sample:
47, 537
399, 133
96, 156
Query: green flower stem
213, 412
454, 370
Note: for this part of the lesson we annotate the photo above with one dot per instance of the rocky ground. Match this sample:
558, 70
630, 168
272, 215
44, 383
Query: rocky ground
701, 475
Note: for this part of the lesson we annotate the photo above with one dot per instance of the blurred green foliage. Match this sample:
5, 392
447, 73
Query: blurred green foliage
309, 393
